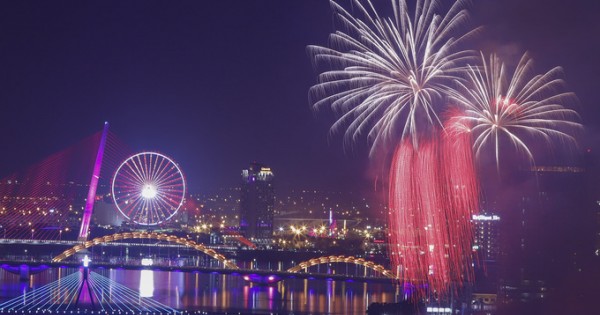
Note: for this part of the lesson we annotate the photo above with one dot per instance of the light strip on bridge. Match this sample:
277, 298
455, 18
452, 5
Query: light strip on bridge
58, 291
71, 243
60, 295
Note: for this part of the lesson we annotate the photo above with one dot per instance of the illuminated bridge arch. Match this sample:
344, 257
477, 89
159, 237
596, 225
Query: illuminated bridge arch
145, 235
343, 259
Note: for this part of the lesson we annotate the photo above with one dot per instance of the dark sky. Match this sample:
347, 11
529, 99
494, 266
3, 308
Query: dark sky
218, 84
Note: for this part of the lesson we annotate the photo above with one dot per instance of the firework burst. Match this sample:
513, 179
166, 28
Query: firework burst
386, 77
390, 78
513, 106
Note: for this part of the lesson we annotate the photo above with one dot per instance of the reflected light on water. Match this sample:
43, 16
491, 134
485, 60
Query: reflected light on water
218, 293
147, 283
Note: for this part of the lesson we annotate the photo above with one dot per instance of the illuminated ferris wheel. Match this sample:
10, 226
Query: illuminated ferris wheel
148, 188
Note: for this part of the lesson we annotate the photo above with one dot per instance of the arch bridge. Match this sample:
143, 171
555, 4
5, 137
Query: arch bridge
146, 235
343, 259
212, 253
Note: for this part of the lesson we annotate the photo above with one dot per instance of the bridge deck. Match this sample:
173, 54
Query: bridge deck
241, 272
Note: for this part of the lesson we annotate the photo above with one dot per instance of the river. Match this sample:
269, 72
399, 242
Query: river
219, 293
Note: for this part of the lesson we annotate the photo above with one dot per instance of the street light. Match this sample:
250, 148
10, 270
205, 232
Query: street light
198, 253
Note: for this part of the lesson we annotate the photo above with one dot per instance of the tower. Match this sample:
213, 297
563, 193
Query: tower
257, 203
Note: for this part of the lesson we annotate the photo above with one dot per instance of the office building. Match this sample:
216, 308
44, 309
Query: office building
545, 233
486, 242
257, 203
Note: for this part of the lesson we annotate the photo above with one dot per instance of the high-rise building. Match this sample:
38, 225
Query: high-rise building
487, 247
545, 236
257, 203
487, 229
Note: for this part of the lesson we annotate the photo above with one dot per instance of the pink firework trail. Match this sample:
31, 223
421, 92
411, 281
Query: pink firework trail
462, 191
388, 78
433, 194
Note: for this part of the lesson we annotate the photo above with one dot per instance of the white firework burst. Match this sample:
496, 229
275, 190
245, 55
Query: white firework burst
388, 76
515, 106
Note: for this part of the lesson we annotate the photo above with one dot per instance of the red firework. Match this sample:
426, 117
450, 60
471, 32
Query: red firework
433, 195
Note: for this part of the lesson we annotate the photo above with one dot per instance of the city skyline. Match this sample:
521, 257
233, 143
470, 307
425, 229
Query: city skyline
450, 148
172, 79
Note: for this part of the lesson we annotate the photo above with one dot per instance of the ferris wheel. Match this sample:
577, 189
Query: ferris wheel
148, 188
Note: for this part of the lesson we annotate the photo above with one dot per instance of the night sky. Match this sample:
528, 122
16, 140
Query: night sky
219, 84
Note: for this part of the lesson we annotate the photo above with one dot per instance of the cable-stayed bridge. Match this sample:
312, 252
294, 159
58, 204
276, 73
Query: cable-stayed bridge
45, 205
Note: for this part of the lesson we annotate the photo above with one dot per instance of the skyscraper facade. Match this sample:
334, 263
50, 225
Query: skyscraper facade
545, 237
487, 246
486, 241
257, 202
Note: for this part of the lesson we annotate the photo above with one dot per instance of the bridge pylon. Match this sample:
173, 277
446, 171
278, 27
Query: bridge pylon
91, 197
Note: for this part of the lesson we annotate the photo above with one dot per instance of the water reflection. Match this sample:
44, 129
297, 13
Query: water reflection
147, 283
216, 292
